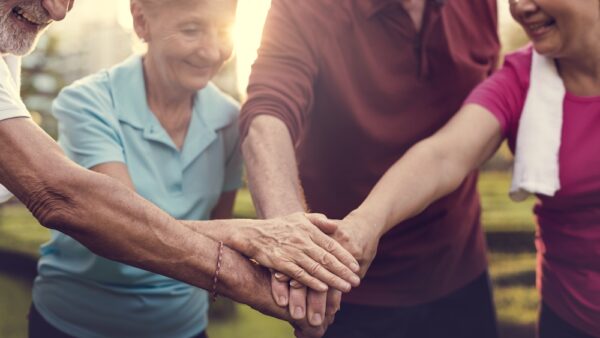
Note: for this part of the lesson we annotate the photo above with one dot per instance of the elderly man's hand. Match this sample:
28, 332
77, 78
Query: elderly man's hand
301, 250
329, 303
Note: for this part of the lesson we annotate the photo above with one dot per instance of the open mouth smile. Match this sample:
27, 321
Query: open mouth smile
23, 16
539, 28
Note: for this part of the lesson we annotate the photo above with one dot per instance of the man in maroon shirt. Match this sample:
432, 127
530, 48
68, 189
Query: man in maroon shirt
340, 90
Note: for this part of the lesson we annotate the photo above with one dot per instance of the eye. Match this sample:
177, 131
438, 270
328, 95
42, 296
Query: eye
191, 29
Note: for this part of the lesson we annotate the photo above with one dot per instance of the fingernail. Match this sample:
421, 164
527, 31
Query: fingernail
355, 280
278, 275
317, 319
298, 312
355, 267
282, 301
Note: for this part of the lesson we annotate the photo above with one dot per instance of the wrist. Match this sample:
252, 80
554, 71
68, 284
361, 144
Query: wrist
240, 236
370, 223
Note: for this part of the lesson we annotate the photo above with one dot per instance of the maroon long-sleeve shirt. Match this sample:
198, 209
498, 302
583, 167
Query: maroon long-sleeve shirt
357, 85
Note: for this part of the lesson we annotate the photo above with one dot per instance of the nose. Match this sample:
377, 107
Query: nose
523, 8
57, 9
215, 47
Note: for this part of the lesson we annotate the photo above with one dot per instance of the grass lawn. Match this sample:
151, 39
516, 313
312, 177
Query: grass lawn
509, 228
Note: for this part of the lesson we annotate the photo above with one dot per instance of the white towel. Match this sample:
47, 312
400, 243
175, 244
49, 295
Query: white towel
538, 139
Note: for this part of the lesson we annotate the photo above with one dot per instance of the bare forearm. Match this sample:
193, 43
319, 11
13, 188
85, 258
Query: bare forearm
407, 188
271, 168
103, 214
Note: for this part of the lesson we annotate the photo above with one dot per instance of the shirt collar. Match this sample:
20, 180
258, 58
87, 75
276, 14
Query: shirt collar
372, 7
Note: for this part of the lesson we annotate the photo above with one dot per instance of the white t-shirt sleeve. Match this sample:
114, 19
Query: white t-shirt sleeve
11, 104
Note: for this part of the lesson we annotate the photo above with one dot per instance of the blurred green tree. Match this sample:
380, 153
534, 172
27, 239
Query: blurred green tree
41, 81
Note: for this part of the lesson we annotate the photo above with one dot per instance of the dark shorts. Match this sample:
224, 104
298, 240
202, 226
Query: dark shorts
466, 313
550, 325
40, 328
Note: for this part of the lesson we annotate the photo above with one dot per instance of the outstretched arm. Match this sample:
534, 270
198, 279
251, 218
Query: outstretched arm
113, 221
430, 170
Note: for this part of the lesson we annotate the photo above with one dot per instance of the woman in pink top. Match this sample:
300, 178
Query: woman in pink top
568, 239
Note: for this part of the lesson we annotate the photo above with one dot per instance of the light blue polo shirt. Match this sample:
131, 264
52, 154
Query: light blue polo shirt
105, 118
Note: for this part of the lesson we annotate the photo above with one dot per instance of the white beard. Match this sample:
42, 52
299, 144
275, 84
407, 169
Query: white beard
14, 40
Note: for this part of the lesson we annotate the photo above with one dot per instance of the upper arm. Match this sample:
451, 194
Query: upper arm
283, 75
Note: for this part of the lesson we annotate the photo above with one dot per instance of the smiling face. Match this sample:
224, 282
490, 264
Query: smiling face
559, 28
22, 21
188, 40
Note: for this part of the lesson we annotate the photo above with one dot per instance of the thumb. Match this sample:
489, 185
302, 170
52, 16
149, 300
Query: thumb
324, 224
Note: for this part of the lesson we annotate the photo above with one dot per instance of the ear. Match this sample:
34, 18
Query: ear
140, 21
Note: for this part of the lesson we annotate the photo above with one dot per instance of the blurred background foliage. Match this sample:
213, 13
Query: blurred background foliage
103, 38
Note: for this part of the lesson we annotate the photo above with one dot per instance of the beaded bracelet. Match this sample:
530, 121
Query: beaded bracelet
213, 293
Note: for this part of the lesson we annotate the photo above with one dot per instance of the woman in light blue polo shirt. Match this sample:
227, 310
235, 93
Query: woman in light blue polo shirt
157, 124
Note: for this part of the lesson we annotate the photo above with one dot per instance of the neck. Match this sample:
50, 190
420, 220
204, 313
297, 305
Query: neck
416, 11
162, 96
581, 73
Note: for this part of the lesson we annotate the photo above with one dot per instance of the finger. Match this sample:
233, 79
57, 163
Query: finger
281, 277
301, 275
334, 299
316, 270
323, 223
330, 263
315, 307
280, 291
336, 249
297, 304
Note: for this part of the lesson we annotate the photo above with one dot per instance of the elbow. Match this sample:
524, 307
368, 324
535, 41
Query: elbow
51, 203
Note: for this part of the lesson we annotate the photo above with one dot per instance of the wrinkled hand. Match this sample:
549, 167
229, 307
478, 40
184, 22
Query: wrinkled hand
296, 247
360, 238
358, 235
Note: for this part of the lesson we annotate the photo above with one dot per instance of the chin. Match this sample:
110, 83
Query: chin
196, 85
546, 49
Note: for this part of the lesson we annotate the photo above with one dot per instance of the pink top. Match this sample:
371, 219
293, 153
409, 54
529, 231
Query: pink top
568, 232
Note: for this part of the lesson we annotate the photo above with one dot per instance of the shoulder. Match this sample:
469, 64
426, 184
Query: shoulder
92, 89
519, 64
218, 108
316, 16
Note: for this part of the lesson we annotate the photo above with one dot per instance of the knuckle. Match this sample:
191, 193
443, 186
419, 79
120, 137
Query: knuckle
330, 245
326, 260
314, 268
298, 273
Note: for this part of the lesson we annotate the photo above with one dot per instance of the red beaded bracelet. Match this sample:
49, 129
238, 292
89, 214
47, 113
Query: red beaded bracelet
213, 293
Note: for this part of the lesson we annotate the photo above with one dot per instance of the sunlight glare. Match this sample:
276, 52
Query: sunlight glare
251, 15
